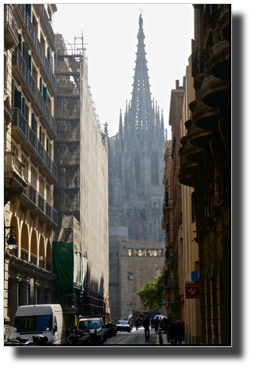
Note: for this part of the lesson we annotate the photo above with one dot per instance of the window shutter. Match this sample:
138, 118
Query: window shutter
48, 54
47, 145
17, 100
40, 134
29, 62
41, 86
13, 92
28, 9
20, 43
45, 94
26, 112
33, 123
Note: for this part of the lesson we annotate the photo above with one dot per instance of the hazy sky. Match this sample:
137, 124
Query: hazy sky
110, 31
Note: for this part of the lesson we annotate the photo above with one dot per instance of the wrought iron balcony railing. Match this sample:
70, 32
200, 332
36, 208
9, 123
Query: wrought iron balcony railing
18, 67
31, 32
41, 202
18, 120
55, 216
48, 210
20, 13
11, 34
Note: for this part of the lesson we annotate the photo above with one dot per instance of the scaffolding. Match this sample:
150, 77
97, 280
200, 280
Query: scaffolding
68, 59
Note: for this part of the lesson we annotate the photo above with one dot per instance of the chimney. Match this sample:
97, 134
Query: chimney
177, 84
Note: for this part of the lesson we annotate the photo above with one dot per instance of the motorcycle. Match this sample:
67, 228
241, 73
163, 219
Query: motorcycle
11, 340
80, 337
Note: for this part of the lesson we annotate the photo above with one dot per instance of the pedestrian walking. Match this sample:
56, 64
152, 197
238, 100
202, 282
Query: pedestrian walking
146, 325
152, 323
156, 322
137, 323
169, 325
173, 333
179, 332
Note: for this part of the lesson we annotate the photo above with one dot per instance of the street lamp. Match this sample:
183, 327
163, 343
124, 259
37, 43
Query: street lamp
11, 238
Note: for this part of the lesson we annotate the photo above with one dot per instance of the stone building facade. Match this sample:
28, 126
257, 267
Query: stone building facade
205, 166
136, 161
29, 169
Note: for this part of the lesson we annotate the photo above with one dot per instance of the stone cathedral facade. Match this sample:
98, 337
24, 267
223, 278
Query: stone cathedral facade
136, 195
136, 160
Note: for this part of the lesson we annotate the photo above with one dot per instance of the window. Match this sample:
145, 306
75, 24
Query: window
154, 169
48, 193
133, 231
137, 167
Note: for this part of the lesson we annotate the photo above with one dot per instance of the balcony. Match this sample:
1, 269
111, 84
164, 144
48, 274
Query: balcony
51, 37
29, 32
48, 266
38, 156
38, 206
37, 52
45, 116
45, 69
33, 259
11, 34
24, 254
47, 166
52, 130
199, 137
206, 117
38, 9
19, 11
37, 104
215, 92
14, 181
28, 88
220, 60
51, 84
44, 21
19, 127
225, 21
30, 146
19, 68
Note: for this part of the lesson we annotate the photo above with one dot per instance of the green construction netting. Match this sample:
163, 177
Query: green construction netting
63, 262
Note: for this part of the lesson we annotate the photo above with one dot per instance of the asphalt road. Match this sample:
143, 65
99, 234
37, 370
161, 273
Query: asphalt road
136, 337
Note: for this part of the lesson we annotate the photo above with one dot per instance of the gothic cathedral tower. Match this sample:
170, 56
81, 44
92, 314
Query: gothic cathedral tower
136, 160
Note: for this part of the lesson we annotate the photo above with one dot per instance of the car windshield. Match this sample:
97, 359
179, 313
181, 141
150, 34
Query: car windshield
123, 322
89, 324
32, 324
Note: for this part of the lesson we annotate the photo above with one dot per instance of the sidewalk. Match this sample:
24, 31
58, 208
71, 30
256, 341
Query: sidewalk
164, 340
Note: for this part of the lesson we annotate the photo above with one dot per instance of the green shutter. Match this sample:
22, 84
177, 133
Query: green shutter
29, 62
19, 45
48, 54
28, 9
23, 106
26, 112
40, 134
17, 100
41, 86
45, 94
33, 123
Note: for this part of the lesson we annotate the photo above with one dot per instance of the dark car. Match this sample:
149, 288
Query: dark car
111, 329
123, 326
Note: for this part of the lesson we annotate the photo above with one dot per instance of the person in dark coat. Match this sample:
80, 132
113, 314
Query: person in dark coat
152, 323
137, 323
156, 322
173, 333
179, 332
146, 325
169, 325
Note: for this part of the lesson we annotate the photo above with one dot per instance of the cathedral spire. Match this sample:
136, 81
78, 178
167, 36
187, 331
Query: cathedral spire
141, 97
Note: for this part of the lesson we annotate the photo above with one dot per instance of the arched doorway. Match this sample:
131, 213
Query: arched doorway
41, 252
49, 257
24, 242
34, 247
14, 223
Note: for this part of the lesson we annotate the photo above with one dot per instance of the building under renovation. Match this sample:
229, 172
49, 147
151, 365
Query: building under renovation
82, 188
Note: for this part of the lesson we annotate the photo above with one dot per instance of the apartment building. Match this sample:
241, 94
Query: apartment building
29, 169
205, 161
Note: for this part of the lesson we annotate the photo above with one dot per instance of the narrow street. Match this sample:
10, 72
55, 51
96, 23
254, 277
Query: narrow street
135, 338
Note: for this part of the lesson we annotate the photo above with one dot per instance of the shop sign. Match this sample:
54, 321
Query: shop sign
192, 290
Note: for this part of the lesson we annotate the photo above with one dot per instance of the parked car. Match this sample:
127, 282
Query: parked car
123, 326
111, 329
96, 327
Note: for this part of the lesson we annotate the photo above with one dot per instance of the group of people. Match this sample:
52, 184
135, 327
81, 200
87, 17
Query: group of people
173, 329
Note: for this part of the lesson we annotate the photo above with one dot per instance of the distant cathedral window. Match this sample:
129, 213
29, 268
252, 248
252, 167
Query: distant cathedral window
154, 168
133, 232
137, 167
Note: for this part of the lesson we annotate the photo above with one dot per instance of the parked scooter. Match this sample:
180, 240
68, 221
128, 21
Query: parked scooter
79, 337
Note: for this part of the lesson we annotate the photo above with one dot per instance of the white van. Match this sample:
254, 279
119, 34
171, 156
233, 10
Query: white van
42, 320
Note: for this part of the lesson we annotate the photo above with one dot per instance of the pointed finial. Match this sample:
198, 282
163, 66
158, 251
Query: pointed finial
140, 21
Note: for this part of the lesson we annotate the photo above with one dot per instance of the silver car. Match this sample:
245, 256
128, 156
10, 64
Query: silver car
123, 326
95, 326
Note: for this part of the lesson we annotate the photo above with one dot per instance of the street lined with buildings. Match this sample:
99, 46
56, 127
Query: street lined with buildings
91, 219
